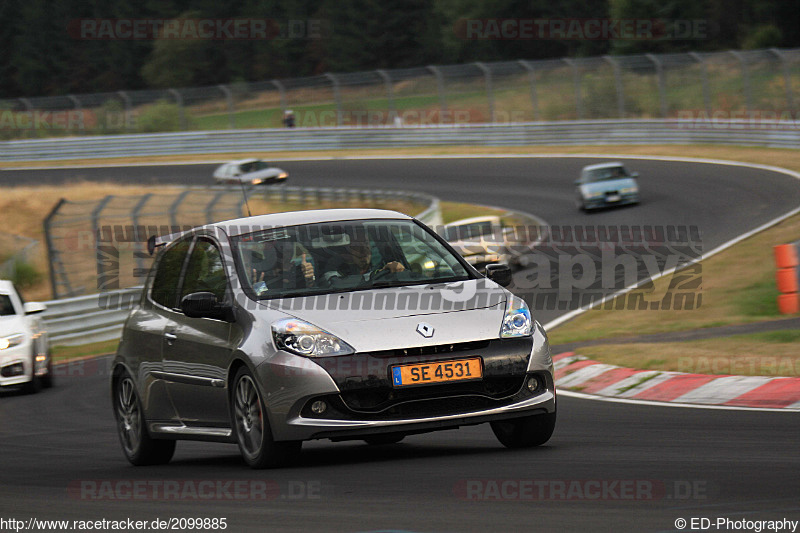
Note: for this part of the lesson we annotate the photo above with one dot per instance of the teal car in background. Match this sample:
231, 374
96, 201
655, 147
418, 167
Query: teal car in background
606, 185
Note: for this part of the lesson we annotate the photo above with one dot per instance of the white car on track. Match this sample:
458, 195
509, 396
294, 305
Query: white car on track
24, 351
249, 172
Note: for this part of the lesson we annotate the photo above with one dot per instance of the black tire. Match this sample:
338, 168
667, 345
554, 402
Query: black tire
137, 445
251, 427
385, 438
33, 386
525, 432
48, 380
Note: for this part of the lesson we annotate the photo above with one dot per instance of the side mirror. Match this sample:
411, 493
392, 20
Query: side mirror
31, 308
205, 305
499, 273
634, 174
577, 182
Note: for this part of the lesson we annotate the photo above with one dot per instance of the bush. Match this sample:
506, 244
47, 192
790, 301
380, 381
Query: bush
161, 116
25, 275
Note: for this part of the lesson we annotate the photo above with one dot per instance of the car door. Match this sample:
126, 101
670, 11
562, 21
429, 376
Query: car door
197, 351
144, 332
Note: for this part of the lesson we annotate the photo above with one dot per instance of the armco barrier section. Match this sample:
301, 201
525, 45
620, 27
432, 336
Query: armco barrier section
88, 319
777, 134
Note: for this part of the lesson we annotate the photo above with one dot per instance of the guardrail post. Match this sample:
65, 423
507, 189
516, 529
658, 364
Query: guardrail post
662, 91
387, 81
282, 94
748, 99
337, 97
440, 86
173, 210
532, 78
77, 105
618, 82
128, 112
106, 278
179, 101
576, 81
53, 256
140, 239
704, 70
229, 100
787, 77
487, 73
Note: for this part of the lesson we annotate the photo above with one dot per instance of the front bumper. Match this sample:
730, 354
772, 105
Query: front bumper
361, 400
16, 365
603, 201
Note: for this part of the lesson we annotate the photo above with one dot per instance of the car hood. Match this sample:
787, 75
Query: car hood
12, 324
388, 318
608, 185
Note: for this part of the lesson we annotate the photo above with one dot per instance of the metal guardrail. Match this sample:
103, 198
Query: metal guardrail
776, 134
88, 319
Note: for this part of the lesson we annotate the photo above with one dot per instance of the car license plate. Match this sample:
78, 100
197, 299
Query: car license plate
437, 372
612, 198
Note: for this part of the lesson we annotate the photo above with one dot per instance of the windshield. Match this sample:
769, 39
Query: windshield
343, 256
254, 166
611, 173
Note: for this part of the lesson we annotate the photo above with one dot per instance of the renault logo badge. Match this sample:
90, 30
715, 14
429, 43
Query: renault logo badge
426, 330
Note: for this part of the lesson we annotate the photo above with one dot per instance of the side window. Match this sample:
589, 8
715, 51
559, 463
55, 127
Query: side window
6, 307
205, 272
165, 284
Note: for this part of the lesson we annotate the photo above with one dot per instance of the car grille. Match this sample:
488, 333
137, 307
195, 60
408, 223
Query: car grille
432, 350
391, 401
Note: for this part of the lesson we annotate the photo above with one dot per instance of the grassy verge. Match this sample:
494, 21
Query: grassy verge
771, 353
738, 295
70, 353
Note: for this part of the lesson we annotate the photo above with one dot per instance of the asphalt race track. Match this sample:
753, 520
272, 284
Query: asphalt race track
609, 466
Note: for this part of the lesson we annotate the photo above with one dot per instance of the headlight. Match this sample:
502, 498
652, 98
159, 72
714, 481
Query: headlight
301, 338
283, 175
594, 194
517, 320
628, 190
11, 340
256, 181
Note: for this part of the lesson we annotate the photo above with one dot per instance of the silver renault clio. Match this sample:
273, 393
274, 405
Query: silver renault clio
333, 324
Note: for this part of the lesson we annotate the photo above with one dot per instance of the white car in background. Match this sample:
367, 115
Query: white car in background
482, 241
24, 350
249, 172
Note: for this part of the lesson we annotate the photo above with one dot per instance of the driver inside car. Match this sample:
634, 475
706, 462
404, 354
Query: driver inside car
358, 264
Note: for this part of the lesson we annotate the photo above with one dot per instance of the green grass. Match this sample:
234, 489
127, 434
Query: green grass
68, 353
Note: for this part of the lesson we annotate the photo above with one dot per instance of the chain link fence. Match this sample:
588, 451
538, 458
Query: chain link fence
99, 246
16, 264
722, 84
